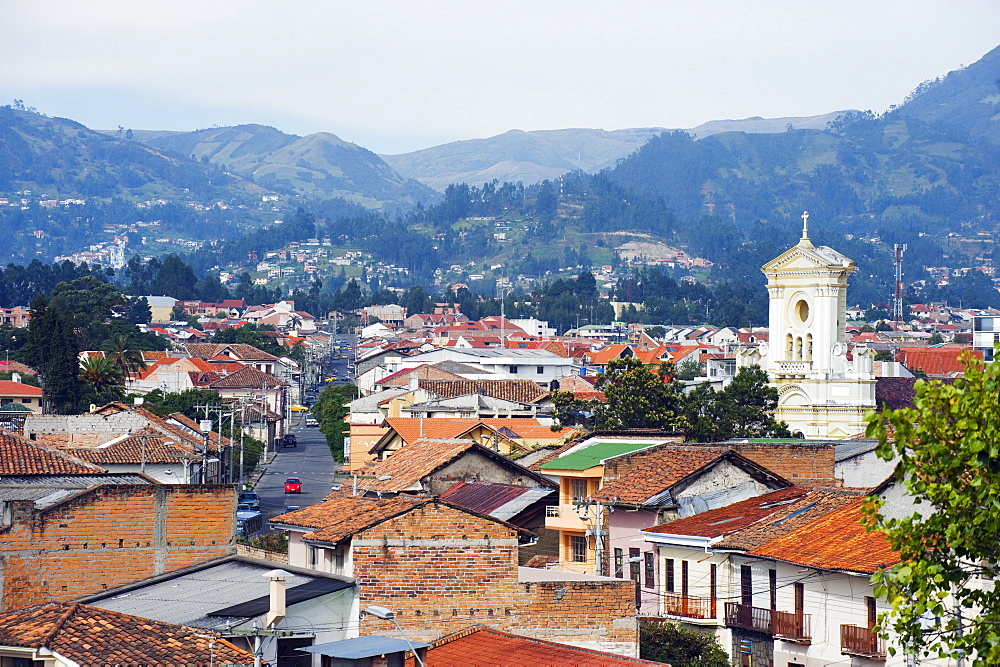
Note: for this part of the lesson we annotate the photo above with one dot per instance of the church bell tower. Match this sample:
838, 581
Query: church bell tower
822, 391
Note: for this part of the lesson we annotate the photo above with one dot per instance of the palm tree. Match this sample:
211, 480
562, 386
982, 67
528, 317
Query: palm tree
294, 321
103, 377
124, 355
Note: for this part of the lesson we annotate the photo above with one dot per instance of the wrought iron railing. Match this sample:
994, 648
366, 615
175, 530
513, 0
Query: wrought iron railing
747, 617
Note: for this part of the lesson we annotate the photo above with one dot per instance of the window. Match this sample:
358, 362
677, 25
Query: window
26, 400
513, 368
669, 574
711, 586
579, 489
312, 556
619, 562
578, 548
650, 567
684, 578
633, 564
772, 581
540, 369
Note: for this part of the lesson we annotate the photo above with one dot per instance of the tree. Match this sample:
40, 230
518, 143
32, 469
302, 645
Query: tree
947, 449
639, 397
935, 339
743, 409
104, 378
174, 278
331, 410
679, 646
52, 350
689, 369
123, 353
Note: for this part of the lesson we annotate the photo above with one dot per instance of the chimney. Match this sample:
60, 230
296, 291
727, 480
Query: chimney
414, 382
276, 611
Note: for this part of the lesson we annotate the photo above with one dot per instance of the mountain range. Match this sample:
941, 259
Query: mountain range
530, 157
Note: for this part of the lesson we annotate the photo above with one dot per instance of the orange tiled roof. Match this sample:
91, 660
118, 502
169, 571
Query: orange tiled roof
410, 463
521, 391
643, 475
413, 428
606, 354
91, 636
9, 388
339, 517
20, 456
248, 377
935, 360
424, 372
134, 449
834, 541
494, 648
240, 350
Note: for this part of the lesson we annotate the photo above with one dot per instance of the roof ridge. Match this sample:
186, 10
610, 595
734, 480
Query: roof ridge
57, 626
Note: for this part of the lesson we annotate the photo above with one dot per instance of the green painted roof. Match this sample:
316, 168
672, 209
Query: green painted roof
15, 407
593, 455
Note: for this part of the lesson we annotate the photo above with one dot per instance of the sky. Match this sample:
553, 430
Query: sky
400, 76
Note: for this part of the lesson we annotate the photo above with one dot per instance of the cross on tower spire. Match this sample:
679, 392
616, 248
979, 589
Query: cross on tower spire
804, 241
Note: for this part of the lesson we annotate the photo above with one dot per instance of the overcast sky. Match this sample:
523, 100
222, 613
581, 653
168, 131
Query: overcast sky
399, 76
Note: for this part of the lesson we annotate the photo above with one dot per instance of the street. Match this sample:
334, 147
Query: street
310, 461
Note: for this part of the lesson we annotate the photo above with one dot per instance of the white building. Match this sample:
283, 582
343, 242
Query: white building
821, 392
540, 366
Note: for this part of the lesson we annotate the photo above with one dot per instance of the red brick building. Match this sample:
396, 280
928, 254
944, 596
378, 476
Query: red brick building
441, 568
106, 536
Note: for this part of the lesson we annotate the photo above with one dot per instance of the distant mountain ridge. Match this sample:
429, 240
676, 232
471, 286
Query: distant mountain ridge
533, 156
318, 166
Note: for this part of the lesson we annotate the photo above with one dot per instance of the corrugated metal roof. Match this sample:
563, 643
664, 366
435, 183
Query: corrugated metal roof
363, 647
593, 455
501, 501
191, 598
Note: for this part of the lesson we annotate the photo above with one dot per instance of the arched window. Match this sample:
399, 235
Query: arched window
789, 349
798, 348
809, 347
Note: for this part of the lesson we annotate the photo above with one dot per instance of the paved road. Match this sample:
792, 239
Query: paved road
310, 461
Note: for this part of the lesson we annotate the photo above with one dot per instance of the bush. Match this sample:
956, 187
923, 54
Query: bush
680, 646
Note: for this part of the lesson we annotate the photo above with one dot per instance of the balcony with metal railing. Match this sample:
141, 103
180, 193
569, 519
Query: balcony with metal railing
861, 642
794, 367
792, 627
688, 606
746, 617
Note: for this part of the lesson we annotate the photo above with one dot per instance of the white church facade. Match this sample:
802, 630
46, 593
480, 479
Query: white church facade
822, 393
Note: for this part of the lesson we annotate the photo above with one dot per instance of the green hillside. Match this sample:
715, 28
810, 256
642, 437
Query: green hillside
320, 165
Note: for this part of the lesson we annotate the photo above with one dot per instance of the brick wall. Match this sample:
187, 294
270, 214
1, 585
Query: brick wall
796, 462
441, 570
109, 536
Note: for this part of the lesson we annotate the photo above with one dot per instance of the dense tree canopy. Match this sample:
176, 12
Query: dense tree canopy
947, 449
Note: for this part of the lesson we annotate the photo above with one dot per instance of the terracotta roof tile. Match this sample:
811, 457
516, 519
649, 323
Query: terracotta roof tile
521, 391
493, 648
414, 461
20, 456
133, 450
249, 377
241, 351
751, 523
834, 541
644, 474
606, 354
894, 393
935, 360
91, 636
424, 372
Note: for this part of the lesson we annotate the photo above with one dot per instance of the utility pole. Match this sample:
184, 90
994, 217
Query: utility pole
897, 302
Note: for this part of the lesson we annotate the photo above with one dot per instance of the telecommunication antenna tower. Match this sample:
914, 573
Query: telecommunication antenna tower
897, 302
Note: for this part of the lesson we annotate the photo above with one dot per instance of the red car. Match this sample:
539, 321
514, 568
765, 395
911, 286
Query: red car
293, 485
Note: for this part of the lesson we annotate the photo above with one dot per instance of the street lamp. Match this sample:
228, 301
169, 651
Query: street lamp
387, 614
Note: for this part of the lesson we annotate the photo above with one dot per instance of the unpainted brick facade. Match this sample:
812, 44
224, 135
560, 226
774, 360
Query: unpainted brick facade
441, 570
109, 536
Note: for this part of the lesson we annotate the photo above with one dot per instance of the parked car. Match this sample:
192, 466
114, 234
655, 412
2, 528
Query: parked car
290, 440
311, 421
293, 485
249, 498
